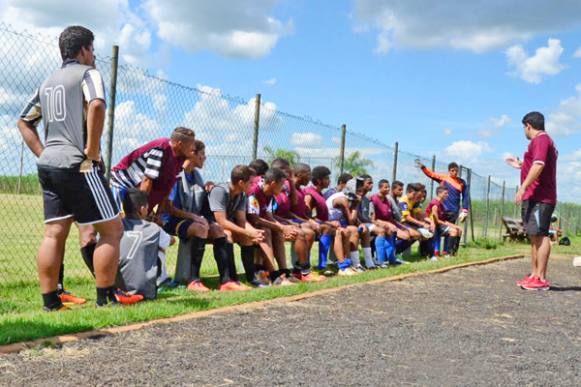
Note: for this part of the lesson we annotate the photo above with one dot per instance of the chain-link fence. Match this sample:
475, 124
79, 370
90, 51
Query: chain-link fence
234, 131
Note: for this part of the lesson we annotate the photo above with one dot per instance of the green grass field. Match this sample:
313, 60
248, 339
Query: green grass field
21, 317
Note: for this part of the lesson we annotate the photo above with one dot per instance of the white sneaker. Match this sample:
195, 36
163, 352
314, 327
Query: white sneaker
359, 268
434, 259
347, 272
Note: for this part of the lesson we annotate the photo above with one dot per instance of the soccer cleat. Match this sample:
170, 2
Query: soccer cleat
359, 268
60, 308
232, 286
197, 286
313, 277
399, 261
258, 284
263, 277
281, 280
523, 280
126, 298
434, 259
383, 265
69, 298
536, 283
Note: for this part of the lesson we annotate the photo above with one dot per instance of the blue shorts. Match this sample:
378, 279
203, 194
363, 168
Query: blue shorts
178, 227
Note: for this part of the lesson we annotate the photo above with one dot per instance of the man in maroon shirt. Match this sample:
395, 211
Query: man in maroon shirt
538, 195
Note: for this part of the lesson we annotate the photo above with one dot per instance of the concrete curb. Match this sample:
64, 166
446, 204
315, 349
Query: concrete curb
57, 340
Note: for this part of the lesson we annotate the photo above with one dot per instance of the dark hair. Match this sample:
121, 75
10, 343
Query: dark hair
72, 39
301, 167
534, 119
413, 187
279, 163
396, 183
382, 182
260, 166
133, 200
440, 189
319, 173
183, 134
240, 172
274, 175
344, 178
365, 177
453, 164
199, 146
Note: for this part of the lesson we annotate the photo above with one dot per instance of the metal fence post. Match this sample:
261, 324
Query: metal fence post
395, 153
256, 126
486, 221
342, 149
111, 111
431, 180
471, 213
515, 206
502, 201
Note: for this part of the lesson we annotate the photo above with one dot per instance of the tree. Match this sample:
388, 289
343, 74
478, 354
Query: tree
354, 164
291, 156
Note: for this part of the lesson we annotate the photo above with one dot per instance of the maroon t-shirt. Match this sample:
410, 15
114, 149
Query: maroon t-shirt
439, 209
259, 203
382, 208
319, 202
283, 201
156, 160
541, 150
300, 209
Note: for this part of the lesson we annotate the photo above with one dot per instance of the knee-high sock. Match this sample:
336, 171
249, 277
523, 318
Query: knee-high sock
61, 283
87, 254
390, 248
198, 248
325, 243
248, 261
436, 241
368, 257
447, 244
381, 254
223, 254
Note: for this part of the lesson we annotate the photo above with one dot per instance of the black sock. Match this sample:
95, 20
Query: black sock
60, 287
232, 271
87, 254
198, 248
51, 300
274, 275
248, 262
221, 257
106, 295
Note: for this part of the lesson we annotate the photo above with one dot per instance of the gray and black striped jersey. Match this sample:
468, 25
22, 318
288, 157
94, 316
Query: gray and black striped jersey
60, 103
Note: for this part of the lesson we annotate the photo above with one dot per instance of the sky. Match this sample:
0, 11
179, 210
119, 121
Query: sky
450, 78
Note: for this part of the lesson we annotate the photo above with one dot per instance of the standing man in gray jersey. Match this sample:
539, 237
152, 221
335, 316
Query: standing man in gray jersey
71, 104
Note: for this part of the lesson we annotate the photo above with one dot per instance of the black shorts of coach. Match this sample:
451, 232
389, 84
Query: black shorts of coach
68, 193
536, 217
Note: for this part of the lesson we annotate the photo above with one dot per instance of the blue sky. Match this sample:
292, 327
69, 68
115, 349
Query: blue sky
452, 80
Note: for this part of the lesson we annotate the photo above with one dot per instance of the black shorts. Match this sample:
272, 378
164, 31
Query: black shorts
536, 217
451, 216
68, 193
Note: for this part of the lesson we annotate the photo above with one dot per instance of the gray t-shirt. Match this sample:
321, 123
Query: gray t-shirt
220, 201
395, 210
60, 103
365, 210
138, 265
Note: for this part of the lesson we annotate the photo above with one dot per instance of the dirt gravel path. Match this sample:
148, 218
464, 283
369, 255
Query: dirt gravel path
466, 327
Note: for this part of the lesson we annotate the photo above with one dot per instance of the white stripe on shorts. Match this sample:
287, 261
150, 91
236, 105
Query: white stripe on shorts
99, 194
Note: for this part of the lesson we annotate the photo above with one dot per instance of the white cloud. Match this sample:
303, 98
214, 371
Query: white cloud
566, 120
486, 133
569, 170
466, 150
306, 139
241, 29
468, 25
448, 131
500, 122
577, 53
112, 21
270, 82
544, 62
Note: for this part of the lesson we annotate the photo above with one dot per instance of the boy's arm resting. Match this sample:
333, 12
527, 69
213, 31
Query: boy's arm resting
226, 224
95, 121
30, 136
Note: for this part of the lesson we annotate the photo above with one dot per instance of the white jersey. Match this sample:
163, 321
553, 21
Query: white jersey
335, 213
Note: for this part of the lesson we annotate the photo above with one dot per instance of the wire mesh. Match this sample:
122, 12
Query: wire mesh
148, 107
